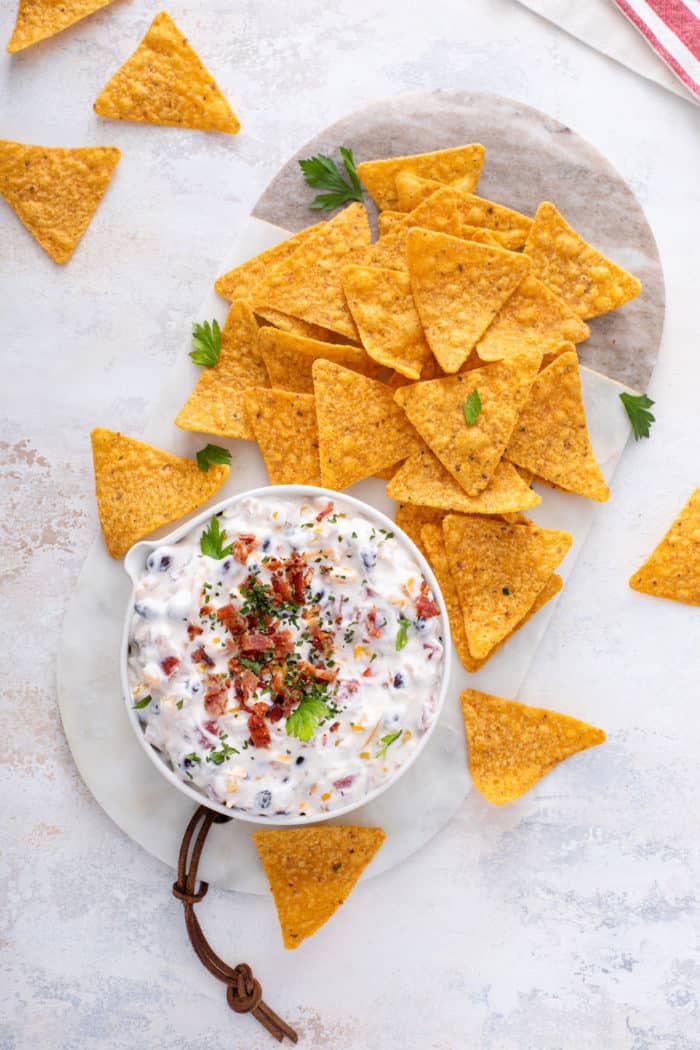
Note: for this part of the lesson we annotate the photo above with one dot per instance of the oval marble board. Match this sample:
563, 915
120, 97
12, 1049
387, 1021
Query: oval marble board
529, 157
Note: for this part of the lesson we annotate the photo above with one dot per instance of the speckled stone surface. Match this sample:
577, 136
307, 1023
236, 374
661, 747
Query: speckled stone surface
568, 921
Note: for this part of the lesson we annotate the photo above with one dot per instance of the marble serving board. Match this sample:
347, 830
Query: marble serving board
121, 777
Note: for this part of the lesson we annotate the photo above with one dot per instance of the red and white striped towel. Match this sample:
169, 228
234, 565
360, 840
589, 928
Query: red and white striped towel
672, 29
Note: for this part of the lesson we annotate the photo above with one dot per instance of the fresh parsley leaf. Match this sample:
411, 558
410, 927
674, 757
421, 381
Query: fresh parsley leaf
323, 173
211, 542
143, 702
212, 454
402, 633
206, 343
387, 741
193, 757
472, 408
303, 721
637, 408
224, 752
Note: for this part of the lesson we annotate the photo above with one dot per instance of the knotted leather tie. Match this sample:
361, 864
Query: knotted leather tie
243, 992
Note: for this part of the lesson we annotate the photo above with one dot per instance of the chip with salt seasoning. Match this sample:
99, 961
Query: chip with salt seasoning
459, 287
461, 162
38, 19
54, 192
532, 316
673, 569
448, 210
433, 546
423, 480
216, 405
312, 871
285, 428
512, 745
577, 272
360, 428
437, 408
307, 284
499, 570
551, 438
412, 189
139, 487
289, 358
165, 82
382, 306
240, 282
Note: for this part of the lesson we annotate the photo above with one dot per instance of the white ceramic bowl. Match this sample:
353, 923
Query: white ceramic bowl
134, 563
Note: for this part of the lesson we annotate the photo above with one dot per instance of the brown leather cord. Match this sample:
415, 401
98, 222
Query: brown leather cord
243, 992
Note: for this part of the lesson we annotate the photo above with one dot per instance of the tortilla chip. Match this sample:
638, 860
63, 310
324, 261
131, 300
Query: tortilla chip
240, 282
673, 569
288, 359
436, 409
512, 746
382, 307
165, 82
216, 405
307, 284
139, 487
285, 428
54, 192
312, 871
446, 165
388, 472
459, 287
412, 519
388, 221
295, 326
389, 251
499, 570
533, 316
39, 19
436, 553
423, 480
412, 190
360, 428
448, 210
578, 273
551, 437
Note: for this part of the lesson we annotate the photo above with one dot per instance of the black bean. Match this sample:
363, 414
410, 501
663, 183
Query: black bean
398, 681
263, 799
300, 760
266, 543
165, 562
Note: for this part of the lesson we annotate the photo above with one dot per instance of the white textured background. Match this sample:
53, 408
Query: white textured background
568, 920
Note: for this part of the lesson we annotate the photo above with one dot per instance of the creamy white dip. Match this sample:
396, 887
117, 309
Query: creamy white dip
295, 673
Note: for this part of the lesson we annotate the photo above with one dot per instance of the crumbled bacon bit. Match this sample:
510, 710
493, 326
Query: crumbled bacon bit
231, 619
324, 674
259, 733
244, 546
216, 698
255, 642
201, 656
334, 727
204, 610
367, 673
425, 606
281, 587
328, 509
249, 683
170, 664
283, 643
344, 782
372, 629
193, 630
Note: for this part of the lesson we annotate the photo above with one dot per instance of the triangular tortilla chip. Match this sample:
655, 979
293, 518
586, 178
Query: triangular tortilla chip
312, 871
289, 358
240, 282
360, 428
412, 519
412, 189
436, 409
499, 570
295, 326
423, 480
448, 210
165, 82
307, 284
285, 428
673, 569
578, 273
382, 306
139, 487
216, 405
389, 220
433, 546
512, 746
388, 472
533, 316
459, 287
551, 435
39, 19
446, 165
54, 191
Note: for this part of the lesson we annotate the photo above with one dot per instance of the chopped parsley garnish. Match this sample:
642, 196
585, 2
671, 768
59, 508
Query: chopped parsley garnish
212, 454
304, 721
223, 753
637, 408
206, 343
338, 865
472, 408
211, 542
323, 173
143, 702
505, 590
387, 741
179, 704
193, 757
402, 633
